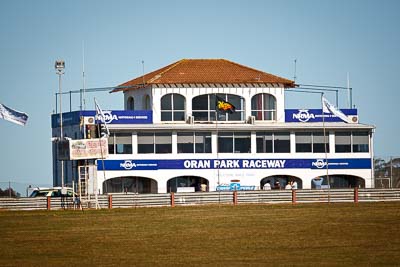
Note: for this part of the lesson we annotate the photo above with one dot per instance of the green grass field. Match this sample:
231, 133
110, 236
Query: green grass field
254, 235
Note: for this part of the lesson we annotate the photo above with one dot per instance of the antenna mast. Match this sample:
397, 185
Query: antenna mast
143, 71
294, 76
83, 74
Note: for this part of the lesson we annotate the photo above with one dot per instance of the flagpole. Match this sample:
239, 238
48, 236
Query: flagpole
325, 147
216, 129
101, 152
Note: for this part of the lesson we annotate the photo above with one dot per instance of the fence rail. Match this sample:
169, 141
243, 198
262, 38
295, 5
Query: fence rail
204, 198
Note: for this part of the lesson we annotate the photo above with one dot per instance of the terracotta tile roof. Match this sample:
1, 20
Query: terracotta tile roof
202, 71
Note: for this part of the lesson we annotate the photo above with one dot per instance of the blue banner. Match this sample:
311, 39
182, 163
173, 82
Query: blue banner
110, 117
315, 115
181, 164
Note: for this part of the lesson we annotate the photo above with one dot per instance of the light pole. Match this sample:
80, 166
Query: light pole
60, 66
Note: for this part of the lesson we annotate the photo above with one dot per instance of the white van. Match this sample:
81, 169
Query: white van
52, 192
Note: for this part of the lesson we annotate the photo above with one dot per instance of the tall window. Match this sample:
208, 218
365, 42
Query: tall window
319, 144
311, 142
263, 107
204, 108
173, 107
356, 142
130, 104
159, 143
343, 142
123, 143
147, 104
360, 142
120, 143
194, 142
268, 142
234, 142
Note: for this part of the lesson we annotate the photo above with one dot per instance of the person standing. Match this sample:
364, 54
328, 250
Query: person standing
267, 185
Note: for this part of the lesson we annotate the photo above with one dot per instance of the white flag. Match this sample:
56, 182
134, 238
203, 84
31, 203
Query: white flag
13, 115
100, 116
329, 108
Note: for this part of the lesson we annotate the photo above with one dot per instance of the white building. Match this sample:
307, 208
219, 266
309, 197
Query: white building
168, 138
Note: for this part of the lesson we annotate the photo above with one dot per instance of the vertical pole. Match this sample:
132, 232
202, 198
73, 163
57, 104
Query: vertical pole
61, 128
325, 148
9, 189
391, 172
48, 203
235, 197
294, 197
110, 201
56, 102
172, 199
70, 101
355, 194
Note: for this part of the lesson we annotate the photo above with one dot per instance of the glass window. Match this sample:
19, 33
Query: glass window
229, 142
173, 107
194, 142
163, 142
158, 143
282, 142
123, 143
147, 103
242, 142
263, 107
111, 143
319, 144
203, 142
204, 108
145, 143
264, 142
343, 142
186, 142
130, 105
360, 142
225, 142
303, 142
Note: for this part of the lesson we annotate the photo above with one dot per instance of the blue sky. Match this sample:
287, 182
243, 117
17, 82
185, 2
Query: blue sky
328, 38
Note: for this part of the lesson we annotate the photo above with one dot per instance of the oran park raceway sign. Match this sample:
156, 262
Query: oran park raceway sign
182, 164
315, 115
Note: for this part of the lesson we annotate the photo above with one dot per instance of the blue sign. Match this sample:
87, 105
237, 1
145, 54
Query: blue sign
314, 115
235, 187
111, 117
182, 164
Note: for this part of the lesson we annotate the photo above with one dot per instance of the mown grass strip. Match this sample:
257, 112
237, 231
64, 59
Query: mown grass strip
303, 234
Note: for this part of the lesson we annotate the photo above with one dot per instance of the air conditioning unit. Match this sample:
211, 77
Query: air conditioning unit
88, 120
251, 120
190, 119
353, 118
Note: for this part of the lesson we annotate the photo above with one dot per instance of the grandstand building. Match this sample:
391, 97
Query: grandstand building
210, 125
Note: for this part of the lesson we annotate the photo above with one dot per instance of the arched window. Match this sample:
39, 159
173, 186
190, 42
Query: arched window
204, 108
130, 104
173, 107
146, 103
263, 107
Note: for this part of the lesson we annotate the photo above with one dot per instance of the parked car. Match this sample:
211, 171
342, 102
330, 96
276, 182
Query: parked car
52, 192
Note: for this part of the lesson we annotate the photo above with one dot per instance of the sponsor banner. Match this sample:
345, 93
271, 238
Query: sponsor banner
315, 115
83, 149
88, 148
109, 116
182, 164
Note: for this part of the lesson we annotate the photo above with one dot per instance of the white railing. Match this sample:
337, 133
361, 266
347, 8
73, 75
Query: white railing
205, 198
